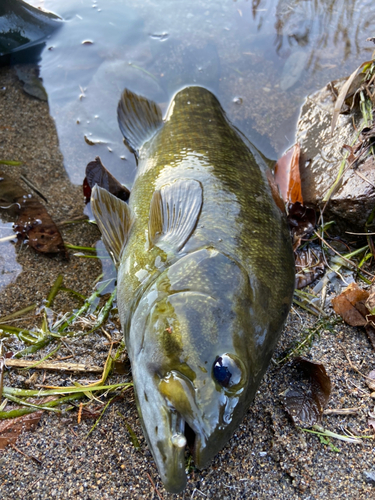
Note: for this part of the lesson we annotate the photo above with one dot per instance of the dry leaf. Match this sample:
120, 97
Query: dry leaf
34, 225
12, 428
303, 401
96, 173
349, 304
370, 302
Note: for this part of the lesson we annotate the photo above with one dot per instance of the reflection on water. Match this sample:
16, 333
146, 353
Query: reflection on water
324, 26
260, 58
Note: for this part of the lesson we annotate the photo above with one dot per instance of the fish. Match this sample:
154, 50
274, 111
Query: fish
23, 31
205, 273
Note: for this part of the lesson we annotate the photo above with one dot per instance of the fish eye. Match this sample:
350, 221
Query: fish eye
228, 371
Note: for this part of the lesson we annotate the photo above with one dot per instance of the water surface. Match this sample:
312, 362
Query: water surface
259, 57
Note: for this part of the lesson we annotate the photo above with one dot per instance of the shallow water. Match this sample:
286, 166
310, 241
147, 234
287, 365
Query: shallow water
259, 57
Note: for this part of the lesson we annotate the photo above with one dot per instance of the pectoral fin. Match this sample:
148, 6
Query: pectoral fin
174, 213
114, 220
138, 119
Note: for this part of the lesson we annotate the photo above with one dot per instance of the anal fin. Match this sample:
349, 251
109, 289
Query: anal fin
174, 213
114, 219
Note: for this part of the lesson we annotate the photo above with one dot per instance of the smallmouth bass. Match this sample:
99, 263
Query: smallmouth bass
205, 274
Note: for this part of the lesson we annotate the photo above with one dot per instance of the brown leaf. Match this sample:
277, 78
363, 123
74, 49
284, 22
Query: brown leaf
34, 225
355, 294
287, 175
96, 173
345, 305
303, 401
351, 158
370, 380
370, 302
12, 428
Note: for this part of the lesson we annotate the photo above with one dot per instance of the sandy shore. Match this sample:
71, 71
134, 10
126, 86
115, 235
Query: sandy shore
266, 458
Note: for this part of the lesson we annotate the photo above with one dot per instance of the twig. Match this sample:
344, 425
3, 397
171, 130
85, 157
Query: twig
19, 451
342, 257
29, 457
354, 367
107, 335
201, 493
31, 185
360, 234
342, 411
72, 430
153, 485
364, 178
8, 238
70, 367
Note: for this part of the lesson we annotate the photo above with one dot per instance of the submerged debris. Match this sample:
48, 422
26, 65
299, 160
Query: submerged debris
33, 225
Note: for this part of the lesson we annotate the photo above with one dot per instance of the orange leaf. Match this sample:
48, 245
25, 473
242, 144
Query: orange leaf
345, 305
287, 175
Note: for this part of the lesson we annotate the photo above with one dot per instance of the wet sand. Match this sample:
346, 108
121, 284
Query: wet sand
268, 457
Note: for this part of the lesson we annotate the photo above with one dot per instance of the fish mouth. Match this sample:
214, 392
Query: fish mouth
184, 437
189, 427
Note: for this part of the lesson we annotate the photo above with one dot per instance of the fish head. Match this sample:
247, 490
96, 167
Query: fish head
193, 345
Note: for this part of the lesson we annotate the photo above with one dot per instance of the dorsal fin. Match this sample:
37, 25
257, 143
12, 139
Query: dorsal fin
138, 119
114, 220
174, 213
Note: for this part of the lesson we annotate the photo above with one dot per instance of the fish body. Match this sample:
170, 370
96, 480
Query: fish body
205, 274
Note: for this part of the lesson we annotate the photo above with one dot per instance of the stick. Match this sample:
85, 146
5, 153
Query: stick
342, 411
70, 367
153, 485
342, 257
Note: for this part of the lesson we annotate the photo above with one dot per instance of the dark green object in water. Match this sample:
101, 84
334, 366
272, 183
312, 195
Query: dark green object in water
23, 30
205, 274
